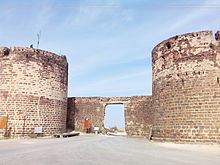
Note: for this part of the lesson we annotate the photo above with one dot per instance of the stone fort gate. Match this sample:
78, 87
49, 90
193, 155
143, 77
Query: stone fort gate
136, 114
114, 102
184, 106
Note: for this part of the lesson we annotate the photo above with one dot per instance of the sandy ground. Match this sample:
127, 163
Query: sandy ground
104, 150
210, 149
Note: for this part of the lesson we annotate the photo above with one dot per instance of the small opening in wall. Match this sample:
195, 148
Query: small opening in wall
168, 45
6, 51
217, 36
218, 80
114, 120
182, 82
195, 34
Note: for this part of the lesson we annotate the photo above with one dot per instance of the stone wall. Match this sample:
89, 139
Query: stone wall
33, 91
138, 115
184, 107
186, 88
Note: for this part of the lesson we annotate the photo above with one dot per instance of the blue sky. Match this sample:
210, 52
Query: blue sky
114, 116
108, 43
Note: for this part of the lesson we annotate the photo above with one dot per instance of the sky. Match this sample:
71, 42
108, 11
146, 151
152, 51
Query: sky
108, 43
114, 116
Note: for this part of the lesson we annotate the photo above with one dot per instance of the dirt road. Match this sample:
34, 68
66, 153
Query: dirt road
103, 150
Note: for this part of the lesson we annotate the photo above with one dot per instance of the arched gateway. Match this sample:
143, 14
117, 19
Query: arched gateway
137, 116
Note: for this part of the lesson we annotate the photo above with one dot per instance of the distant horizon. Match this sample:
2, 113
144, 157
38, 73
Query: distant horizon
114, 116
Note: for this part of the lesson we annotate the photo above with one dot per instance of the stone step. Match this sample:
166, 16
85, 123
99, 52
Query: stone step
64, 135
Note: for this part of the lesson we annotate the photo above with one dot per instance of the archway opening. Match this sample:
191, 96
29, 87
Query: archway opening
114, 120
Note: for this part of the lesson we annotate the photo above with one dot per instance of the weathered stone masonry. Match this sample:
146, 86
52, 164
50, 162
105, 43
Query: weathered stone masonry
33, 91
185, 105
186, 88
138, 116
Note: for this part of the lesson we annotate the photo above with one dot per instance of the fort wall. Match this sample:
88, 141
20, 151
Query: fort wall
33, 91
138, 117
184, 106
186, 88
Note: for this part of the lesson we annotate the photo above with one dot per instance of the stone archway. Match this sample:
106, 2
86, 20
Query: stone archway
137, 112
114, 119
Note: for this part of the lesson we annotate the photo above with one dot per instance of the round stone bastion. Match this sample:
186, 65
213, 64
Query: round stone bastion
33, 91
186, 88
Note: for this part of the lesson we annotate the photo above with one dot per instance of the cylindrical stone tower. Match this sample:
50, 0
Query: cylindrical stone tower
33, 91
186, 88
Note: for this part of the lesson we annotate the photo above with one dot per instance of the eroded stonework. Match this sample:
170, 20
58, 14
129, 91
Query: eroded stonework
184, 106
185, 102
33, 91
186, 88
138, 116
